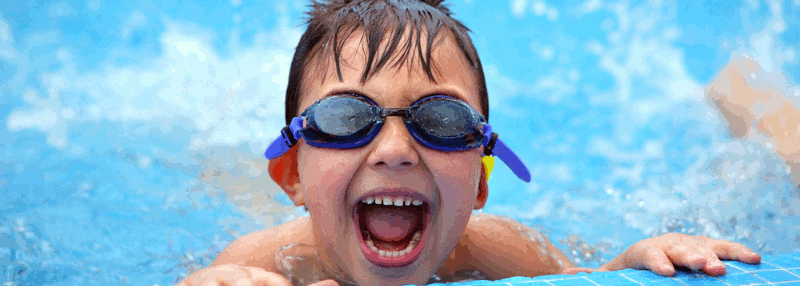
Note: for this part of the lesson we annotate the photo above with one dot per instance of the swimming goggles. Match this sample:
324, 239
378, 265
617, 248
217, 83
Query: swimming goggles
438, 122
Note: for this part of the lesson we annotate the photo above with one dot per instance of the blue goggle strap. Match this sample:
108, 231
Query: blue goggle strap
289, 136
494, 146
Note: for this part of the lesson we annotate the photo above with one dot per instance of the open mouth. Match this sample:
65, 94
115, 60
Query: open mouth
392, 228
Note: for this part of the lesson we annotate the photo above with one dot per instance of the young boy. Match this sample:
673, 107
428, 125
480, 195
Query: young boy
386, 111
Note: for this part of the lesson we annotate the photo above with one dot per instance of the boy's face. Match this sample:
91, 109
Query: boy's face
333, 182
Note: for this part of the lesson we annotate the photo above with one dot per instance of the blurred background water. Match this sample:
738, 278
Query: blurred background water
132, 133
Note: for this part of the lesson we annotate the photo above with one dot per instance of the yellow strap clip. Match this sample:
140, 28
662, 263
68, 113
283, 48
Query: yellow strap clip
488, 164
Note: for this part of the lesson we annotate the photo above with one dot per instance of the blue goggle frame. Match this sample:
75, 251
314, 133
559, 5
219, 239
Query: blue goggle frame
438, 122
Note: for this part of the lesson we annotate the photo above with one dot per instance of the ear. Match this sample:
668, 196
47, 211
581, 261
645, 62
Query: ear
483, 190
283, 170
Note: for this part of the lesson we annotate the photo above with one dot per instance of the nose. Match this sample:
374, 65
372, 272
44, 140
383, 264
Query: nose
394, 147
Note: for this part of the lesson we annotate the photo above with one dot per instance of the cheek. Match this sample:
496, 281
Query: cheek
457, 176
324, 178
324, 170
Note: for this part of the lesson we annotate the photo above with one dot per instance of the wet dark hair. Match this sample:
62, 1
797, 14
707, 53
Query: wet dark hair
331, 23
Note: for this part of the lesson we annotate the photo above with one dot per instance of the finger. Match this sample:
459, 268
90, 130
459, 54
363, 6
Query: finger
242, 282
261, 277
202, 277
713, 266
657, 261
734, 251
684, 255
228, 274
328, 282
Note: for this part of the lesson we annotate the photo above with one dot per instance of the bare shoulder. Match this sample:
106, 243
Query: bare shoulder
502, 247
256, 249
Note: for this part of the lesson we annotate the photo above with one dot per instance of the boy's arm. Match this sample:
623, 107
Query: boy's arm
257, 249
501, 247
250, 258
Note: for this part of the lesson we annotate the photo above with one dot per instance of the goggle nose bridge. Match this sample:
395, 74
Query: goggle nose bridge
402, 112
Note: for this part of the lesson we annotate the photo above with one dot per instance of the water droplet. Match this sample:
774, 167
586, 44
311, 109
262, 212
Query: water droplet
640, 203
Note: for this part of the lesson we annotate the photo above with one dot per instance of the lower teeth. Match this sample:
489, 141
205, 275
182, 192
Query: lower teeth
414, 242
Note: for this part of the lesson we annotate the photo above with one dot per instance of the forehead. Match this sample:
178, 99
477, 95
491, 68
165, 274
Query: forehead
401, 80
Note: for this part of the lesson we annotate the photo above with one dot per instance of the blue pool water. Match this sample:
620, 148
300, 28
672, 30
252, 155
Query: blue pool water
131, 133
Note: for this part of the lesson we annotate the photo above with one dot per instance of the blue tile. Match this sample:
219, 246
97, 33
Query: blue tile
629, 270
646, 276
681, 272
668, 282
539, 278
611, 280
754, 267
483, 283
741, 279
531, 283
691, 275
704, 281
777, 276
557, 277
781, 269
731, 269
578, 281
785, 262
515, 279
605, 274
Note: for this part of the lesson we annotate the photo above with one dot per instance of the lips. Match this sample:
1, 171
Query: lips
392, 226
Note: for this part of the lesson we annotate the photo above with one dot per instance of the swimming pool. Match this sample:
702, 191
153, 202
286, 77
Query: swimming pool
131, 145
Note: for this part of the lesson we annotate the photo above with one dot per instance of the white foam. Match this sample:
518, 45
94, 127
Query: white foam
229, 100
7, 50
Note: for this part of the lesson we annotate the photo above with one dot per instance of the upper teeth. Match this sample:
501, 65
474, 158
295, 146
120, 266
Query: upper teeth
388, 201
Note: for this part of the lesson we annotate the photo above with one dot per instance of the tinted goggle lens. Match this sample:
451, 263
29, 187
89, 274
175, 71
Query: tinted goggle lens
450, 124
346, 122
339, 118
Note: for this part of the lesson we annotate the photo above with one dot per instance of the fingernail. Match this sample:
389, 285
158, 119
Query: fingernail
666, 269
716, 264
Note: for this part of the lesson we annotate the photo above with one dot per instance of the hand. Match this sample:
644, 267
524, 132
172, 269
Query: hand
661, 255
237, 275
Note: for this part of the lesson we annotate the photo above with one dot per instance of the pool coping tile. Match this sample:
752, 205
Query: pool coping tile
781, 269
776, 276
742, 279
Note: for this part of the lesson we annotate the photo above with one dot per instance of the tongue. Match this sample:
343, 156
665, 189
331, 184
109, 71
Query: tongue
390, 223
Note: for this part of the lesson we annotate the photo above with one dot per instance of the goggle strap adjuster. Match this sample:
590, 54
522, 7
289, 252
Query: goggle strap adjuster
288, 137
490, 146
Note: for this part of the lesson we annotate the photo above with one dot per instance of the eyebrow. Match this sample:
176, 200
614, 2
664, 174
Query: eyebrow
435, 91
